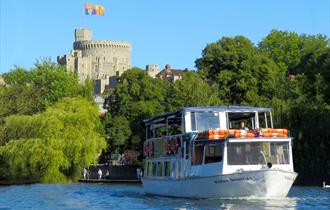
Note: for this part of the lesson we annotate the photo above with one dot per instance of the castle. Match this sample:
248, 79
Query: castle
99, 60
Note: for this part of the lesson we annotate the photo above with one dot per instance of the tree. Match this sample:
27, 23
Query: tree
283, 47
191, 90
52, 146
28, 92
243, 75
117, 131
136, 97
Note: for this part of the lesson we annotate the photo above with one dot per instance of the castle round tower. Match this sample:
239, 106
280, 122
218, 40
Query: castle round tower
100, 60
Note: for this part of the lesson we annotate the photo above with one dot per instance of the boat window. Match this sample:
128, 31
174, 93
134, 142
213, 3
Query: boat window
159, 169
202, 121
264, 120
258, 153
166, 125
154, 169
160, 131
175, 125
213, 153
149, 169
167, 168
149, 132
187, 145
198, 157
173, 171
237, 118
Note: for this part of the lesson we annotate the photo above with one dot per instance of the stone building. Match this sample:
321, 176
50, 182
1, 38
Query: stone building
100, 60
167, 73
152, 70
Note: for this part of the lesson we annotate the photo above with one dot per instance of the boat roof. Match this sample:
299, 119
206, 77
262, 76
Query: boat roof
208, 109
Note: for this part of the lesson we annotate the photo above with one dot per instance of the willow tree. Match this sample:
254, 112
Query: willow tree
52, 146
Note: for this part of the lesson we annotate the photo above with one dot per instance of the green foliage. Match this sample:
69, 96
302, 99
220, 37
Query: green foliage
28, 92
283, 47
243, 75
135, 86
53, 146
309, 120
136, 97
191, 90
117, 131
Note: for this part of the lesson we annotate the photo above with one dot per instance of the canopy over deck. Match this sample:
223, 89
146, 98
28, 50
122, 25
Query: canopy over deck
206, 109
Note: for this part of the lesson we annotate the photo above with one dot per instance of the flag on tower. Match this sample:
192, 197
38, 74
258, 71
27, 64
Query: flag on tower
92, 9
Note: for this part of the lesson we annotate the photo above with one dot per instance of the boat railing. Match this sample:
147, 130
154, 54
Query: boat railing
166, 145
213, 134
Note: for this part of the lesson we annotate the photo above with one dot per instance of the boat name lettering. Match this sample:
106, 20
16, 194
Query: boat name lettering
289, 178
244, 178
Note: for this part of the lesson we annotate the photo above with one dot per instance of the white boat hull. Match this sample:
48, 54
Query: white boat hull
262, 183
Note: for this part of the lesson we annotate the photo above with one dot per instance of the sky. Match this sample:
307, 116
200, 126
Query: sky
161, 31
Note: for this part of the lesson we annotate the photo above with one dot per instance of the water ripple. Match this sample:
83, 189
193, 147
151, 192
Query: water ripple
115, 196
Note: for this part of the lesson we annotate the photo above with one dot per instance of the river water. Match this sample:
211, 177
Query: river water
119, 196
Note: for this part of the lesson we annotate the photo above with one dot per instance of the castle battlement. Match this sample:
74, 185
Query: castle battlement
92, 44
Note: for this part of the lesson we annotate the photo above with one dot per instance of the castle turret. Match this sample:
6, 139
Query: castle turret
82, 34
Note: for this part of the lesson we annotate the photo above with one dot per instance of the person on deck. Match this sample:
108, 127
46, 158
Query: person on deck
243, 126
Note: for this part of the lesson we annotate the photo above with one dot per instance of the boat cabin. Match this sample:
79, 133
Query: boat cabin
207, 141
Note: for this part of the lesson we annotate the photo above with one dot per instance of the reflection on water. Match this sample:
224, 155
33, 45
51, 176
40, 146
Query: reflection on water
107, 196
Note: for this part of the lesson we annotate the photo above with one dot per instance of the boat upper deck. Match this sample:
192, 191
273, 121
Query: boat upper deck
199, 119
242, 109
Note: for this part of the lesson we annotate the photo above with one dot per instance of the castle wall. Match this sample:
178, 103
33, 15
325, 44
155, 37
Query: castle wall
101, 60
108, 57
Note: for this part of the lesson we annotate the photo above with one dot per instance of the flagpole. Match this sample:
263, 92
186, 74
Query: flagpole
83, 14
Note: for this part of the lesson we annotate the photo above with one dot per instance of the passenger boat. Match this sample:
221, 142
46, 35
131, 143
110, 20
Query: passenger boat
202, 152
